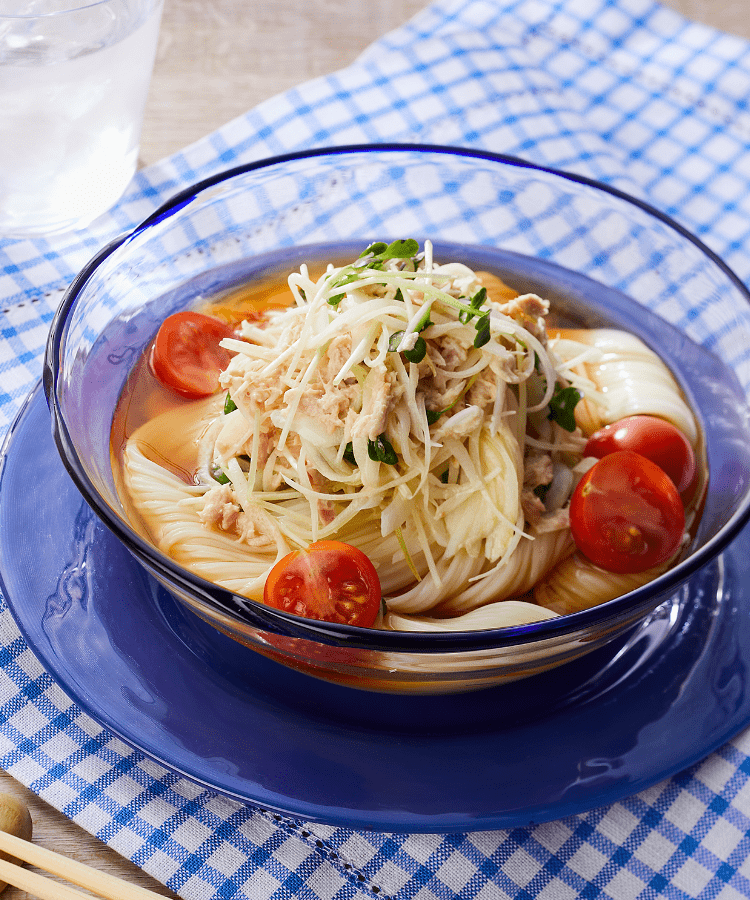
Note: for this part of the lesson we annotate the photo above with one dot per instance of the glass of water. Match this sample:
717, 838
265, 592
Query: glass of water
74, 76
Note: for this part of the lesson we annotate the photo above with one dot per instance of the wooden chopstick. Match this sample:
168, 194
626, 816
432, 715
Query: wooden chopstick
38, 885
101, 883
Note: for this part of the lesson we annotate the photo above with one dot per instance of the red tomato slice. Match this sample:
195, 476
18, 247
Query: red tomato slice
626, 514
329, 581
186, 355
658, 440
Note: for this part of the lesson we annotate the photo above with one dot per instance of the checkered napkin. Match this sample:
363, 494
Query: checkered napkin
620, 90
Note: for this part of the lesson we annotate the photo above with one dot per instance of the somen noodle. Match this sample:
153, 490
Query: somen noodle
417, 410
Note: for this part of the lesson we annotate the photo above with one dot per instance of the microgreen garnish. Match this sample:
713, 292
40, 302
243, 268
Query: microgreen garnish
381, 450
465, 315
229, 405
417, 352
372, 257
346, 277
400, 249
374, 249
562, 406
482, 327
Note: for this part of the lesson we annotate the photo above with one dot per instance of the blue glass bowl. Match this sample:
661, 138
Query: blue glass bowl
611, 257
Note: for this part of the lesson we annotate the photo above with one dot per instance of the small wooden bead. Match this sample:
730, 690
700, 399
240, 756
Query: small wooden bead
15, 819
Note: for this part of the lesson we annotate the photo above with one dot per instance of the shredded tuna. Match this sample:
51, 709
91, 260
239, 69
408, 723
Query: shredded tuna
331, 397
336, 355
250, 526
374, 415
533, 508
554, 521
327, 407
256, 529
529, 311
484, 390
219, 509
459, 425
437, 376
249, 387
538, 469
451, 353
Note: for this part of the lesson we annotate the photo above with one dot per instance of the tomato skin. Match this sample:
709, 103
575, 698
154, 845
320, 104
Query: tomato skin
658, 440
186, 356
626, 514
329, 581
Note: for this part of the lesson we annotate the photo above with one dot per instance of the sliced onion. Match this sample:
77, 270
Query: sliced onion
560, 488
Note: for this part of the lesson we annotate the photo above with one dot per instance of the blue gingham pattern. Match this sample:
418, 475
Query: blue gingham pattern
620, 90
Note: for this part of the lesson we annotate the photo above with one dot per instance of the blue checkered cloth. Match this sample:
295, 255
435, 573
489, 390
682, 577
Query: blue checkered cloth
623, 91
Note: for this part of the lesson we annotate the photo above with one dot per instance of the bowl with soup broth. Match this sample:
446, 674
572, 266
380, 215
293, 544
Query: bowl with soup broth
410, 419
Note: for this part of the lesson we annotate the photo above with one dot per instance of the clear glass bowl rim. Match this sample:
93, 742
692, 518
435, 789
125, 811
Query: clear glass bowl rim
275, 621
73, 6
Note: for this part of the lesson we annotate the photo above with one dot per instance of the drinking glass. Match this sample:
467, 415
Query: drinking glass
74, 77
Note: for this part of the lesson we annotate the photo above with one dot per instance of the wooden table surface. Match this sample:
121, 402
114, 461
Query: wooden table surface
216, 60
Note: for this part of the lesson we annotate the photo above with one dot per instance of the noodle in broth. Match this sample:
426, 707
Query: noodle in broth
419, 411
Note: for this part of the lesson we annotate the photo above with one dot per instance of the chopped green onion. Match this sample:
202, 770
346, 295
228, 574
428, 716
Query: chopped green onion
218, 474
395, 341
349, 454
424, 320
229, 405
407, 555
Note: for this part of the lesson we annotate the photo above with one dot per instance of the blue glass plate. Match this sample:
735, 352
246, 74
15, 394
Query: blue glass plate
585, 735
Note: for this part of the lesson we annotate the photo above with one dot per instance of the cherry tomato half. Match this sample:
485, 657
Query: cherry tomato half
329, 581
186, 355
626, 514
655, 438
